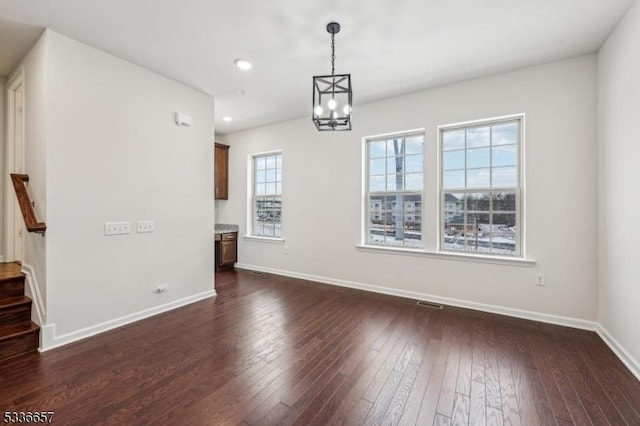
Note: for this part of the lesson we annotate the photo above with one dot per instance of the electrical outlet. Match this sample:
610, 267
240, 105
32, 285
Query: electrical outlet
117, 228
540, 279
162, 288
145, 226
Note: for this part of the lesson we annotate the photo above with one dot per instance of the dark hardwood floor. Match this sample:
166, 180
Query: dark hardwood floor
270, 350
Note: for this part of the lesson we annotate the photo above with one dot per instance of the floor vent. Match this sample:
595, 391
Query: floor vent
429, 304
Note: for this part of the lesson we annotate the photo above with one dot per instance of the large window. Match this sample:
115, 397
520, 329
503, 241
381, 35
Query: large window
267, 195
394, 190
480, 193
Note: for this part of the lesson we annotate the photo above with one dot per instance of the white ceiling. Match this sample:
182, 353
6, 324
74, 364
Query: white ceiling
389, 47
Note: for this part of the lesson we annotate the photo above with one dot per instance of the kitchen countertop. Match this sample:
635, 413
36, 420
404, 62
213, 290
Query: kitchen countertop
222, 228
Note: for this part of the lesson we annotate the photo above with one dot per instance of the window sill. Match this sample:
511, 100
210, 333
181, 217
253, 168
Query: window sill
263, 239
498, 260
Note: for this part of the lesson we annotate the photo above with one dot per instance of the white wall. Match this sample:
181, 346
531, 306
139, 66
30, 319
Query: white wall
322, 184
35, 149
619, 151
114, 153
3, 99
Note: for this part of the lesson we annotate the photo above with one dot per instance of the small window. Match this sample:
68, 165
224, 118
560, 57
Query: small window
481, 187
267, 195
395, 175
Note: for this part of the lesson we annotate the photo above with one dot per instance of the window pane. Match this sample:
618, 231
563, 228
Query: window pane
413, 182
278, 188
279, 175
395, 183
504, 177
478, 158
279, 161
453, 203
502, 134
376, 183
260, 163
394, 164
377, 149
453, 232
478, 232
271, 162
504, 201
260, 189
504, 234
271, 175
376, 219
478, 136
376, 167
478, 202
413, 145
413, 221
452, 139
413, 164
258, 228
452, 160
478, 178
453, 180
260, 176
393, 146
504, 156
270, 188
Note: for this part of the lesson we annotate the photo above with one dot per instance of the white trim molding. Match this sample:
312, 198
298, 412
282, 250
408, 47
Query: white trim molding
31, 280
627, 359
502, 310
49, 339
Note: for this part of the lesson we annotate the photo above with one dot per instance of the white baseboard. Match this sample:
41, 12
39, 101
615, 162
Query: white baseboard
627, 359
50, 340
518, 313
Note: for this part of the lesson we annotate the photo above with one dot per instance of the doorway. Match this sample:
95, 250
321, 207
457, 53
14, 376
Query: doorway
14, 150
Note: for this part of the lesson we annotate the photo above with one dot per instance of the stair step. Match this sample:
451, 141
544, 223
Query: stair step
11, 280
23, 338
10, 330
14, 310
10, 270
18, 334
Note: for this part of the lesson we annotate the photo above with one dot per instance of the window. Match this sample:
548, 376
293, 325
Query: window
394, 190
481, 187
267, 195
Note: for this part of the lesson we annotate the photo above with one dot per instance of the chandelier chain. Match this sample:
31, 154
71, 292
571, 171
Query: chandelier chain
333, 53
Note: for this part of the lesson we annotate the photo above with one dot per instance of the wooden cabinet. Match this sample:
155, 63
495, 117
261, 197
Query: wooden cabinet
221, 165
226, 250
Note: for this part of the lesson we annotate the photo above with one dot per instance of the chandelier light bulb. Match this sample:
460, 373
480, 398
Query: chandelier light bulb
346, 109
318, 110
334, 114
332, 104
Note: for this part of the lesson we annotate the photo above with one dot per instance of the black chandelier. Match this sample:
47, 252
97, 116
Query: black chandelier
332, 96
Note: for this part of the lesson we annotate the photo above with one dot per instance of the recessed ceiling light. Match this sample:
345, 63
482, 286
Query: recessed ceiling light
243, 64
227, 118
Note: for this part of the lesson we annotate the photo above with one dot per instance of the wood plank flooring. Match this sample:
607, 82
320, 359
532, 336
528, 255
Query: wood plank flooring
270, 350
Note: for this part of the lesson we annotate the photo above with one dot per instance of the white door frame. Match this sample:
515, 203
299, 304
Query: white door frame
13, 164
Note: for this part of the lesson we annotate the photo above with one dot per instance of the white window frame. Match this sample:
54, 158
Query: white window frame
366, 207
252, 197
520, 211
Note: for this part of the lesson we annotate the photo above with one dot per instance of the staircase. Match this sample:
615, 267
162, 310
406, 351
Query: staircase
18, 334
